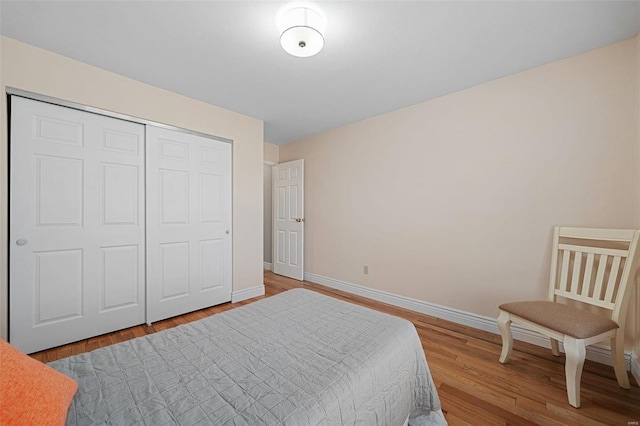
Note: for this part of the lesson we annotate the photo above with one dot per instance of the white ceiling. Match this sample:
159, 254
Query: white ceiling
378, 56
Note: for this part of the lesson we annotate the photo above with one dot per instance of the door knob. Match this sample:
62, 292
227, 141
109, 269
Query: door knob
299, 219
22, 242
226, 232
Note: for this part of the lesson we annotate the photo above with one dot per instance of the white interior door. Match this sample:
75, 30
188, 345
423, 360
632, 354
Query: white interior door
188, 223
76, 225
288, 219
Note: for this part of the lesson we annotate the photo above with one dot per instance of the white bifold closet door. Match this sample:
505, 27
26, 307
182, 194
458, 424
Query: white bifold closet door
188, 223
76, 235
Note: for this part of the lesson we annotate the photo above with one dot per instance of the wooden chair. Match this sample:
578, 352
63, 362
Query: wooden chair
593, 267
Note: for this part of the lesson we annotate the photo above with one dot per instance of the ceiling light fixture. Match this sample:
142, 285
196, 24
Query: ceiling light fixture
302, 31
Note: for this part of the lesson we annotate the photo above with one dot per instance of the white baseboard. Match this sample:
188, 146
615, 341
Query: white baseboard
247, 293
635, 367
595, 353
268, 266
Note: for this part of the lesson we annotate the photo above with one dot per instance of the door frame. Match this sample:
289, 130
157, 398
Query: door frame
268, 265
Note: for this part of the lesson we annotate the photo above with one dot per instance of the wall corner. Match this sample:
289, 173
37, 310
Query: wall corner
635, 367
271, 153
635, 302
4, 200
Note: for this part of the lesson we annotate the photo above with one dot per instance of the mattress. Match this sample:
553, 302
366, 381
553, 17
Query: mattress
297, 358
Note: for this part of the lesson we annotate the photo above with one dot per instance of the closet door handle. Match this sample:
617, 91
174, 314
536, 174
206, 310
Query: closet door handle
226, 232
22, 242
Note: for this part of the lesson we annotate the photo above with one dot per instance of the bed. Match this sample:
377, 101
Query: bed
297, 358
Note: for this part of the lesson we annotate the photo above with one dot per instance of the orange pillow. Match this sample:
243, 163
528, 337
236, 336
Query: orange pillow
32, 393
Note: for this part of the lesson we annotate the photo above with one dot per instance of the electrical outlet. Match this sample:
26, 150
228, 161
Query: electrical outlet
366, 269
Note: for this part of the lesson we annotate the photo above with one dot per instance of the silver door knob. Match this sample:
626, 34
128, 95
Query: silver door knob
226, 232
22, 242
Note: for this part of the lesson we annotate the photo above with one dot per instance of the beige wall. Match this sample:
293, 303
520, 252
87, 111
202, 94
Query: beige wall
452, 201
271, 152
36, 70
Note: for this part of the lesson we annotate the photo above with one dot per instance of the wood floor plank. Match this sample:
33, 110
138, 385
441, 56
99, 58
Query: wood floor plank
574, 417
459, 406
454, 420
474, 388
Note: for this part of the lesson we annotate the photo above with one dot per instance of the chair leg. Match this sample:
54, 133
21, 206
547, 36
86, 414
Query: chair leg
617, 352
555, 348
575, 352
504, 324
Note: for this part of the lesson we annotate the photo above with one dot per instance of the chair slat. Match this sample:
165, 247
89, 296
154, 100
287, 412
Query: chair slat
602, 265
613, 278
575, 275
595, 250
625, 235
566, 255
588, 300
588, 272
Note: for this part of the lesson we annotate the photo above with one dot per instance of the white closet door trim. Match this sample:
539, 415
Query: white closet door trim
69, 104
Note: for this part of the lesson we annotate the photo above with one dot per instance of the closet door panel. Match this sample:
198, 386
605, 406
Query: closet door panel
119, 277
76, 225
212, 260
120, 198
174, 277
58, 285
188, 223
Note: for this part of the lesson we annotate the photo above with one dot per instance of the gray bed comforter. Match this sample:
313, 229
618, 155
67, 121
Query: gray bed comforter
298, 358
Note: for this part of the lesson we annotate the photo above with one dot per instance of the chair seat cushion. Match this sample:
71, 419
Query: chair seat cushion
564, 319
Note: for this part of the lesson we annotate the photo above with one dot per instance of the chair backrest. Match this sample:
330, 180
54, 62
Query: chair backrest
593, 266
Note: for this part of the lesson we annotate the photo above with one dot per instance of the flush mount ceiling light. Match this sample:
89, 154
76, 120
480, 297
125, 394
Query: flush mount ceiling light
302, 31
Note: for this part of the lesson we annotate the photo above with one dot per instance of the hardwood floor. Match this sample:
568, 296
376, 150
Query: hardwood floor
474, 388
